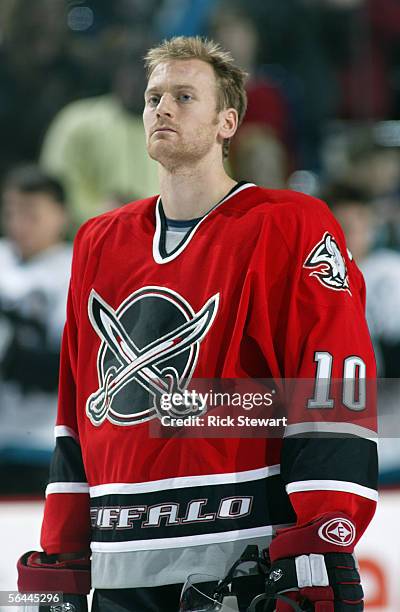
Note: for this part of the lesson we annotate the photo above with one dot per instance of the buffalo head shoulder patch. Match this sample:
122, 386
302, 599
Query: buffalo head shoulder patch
328, 264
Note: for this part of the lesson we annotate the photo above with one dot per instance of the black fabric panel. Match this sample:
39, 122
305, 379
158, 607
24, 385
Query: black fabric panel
66, 463
151, 599
342, 560
348, 459
348, 592
270, 506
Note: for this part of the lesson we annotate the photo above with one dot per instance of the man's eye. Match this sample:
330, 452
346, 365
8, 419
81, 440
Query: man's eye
185, 97
153, 100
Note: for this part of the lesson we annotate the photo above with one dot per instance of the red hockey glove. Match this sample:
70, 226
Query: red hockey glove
314, 566
38, 572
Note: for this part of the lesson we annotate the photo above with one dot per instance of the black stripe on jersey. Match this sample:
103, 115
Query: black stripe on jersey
191, 511
349, 459
66, 463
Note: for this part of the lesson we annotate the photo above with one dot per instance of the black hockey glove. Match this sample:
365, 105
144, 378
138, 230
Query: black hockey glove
38, 573
313, 565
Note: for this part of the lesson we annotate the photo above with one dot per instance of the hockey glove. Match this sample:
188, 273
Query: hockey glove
314, 566
38, 573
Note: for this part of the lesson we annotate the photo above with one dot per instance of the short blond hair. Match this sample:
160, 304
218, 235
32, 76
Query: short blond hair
230, 78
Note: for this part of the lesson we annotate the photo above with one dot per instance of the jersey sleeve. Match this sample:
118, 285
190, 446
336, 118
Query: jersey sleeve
329, 455
66, 522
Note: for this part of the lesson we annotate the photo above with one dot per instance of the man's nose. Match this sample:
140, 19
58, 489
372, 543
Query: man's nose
165, 106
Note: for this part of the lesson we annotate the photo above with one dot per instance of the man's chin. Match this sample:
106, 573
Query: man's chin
161, 152
172, 156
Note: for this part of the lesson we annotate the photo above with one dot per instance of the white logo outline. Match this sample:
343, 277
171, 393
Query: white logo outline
331, 269
343, 532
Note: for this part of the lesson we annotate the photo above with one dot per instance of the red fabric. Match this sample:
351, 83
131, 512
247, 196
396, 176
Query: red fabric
66, 524
38, 559
64, 577
297, 541
308, 539
308, 505
322, 598
273, 315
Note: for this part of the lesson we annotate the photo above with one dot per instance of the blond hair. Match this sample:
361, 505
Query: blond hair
230, 78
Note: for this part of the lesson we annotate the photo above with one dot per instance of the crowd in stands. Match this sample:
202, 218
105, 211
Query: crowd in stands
323, 116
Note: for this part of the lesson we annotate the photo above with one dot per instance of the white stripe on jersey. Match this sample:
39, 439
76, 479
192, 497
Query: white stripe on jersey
184, 541
332, 485
347, 429
67, 487
61, 431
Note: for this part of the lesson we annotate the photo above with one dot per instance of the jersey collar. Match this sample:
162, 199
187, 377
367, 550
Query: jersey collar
160, 254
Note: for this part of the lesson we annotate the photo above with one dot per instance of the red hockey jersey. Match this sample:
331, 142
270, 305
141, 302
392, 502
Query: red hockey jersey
261, 287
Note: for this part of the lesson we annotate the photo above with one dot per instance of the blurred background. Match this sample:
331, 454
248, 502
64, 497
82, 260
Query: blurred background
323, 118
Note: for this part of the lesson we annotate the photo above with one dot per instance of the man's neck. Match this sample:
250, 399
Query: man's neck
189, 193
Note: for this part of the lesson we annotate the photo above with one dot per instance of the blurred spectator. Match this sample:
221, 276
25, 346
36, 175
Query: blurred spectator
97, 146
298, 41
38, 75
369, 76
260, 157
268, 104
375, 169
183, 17
101, 28
381, 270
34, 277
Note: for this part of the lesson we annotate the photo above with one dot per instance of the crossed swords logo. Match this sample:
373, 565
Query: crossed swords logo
141, 364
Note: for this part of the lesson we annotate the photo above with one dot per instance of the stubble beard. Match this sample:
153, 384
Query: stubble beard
183, 153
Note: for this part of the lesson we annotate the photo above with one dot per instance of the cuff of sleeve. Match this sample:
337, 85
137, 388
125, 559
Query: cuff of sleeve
45, 578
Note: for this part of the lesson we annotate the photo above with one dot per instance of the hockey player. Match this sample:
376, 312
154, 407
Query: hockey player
211, 279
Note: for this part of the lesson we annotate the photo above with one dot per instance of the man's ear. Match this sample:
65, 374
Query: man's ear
228, 119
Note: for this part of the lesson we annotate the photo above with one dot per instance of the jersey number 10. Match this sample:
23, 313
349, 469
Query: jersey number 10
354, 382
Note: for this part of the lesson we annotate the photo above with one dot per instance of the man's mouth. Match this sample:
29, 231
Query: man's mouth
163, 129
